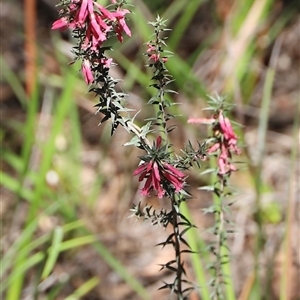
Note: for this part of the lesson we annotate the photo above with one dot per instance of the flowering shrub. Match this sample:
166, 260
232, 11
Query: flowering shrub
160, 168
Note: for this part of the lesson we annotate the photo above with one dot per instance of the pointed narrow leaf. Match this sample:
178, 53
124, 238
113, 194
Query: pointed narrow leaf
53, 252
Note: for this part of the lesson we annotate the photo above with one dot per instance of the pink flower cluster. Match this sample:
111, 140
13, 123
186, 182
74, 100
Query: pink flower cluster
96, 22
86, 68
156, 173
225, 143
96, 19
153, 55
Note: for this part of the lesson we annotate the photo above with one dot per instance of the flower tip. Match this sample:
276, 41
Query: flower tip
191, 120
87, 72
60, 24
158, 141
200, 121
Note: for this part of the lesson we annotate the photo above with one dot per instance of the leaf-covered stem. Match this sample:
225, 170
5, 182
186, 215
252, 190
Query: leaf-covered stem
221, 145
158, 58
176, 245
221, 236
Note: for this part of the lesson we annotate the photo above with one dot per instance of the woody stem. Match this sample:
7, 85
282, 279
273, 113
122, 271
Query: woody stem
176, 245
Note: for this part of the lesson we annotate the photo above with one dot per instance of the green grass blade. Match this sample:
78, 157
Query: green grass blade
13, 160
121, 270
41, 187
53, 251
264, 115
198, 260
141, 12
77, 242
13, 185
84, 289
172, 11
73, 225
61, 111
29, 132
53, 294
13, 294
25, 251
7, 259
190, 9
13, 81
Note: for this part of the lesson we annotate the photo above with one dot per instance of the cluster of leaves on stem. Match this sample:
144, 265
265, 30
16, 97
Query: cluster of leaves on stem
157, 58
221, 145
92, 27
162, 170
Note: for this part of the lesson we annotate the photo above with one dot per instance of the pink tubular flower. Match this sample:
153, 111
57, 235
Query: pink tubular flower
104, 27
158, 174
121, 24
215, 147
84, 10
227, 129
60, 24
224, 161
201, 120
94, 20
152, 53
155, 54
225, 143
96, 30
87, 72
174, 176
105, 13
150, 170
229, 136
106, 62
150, 48
154, 57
